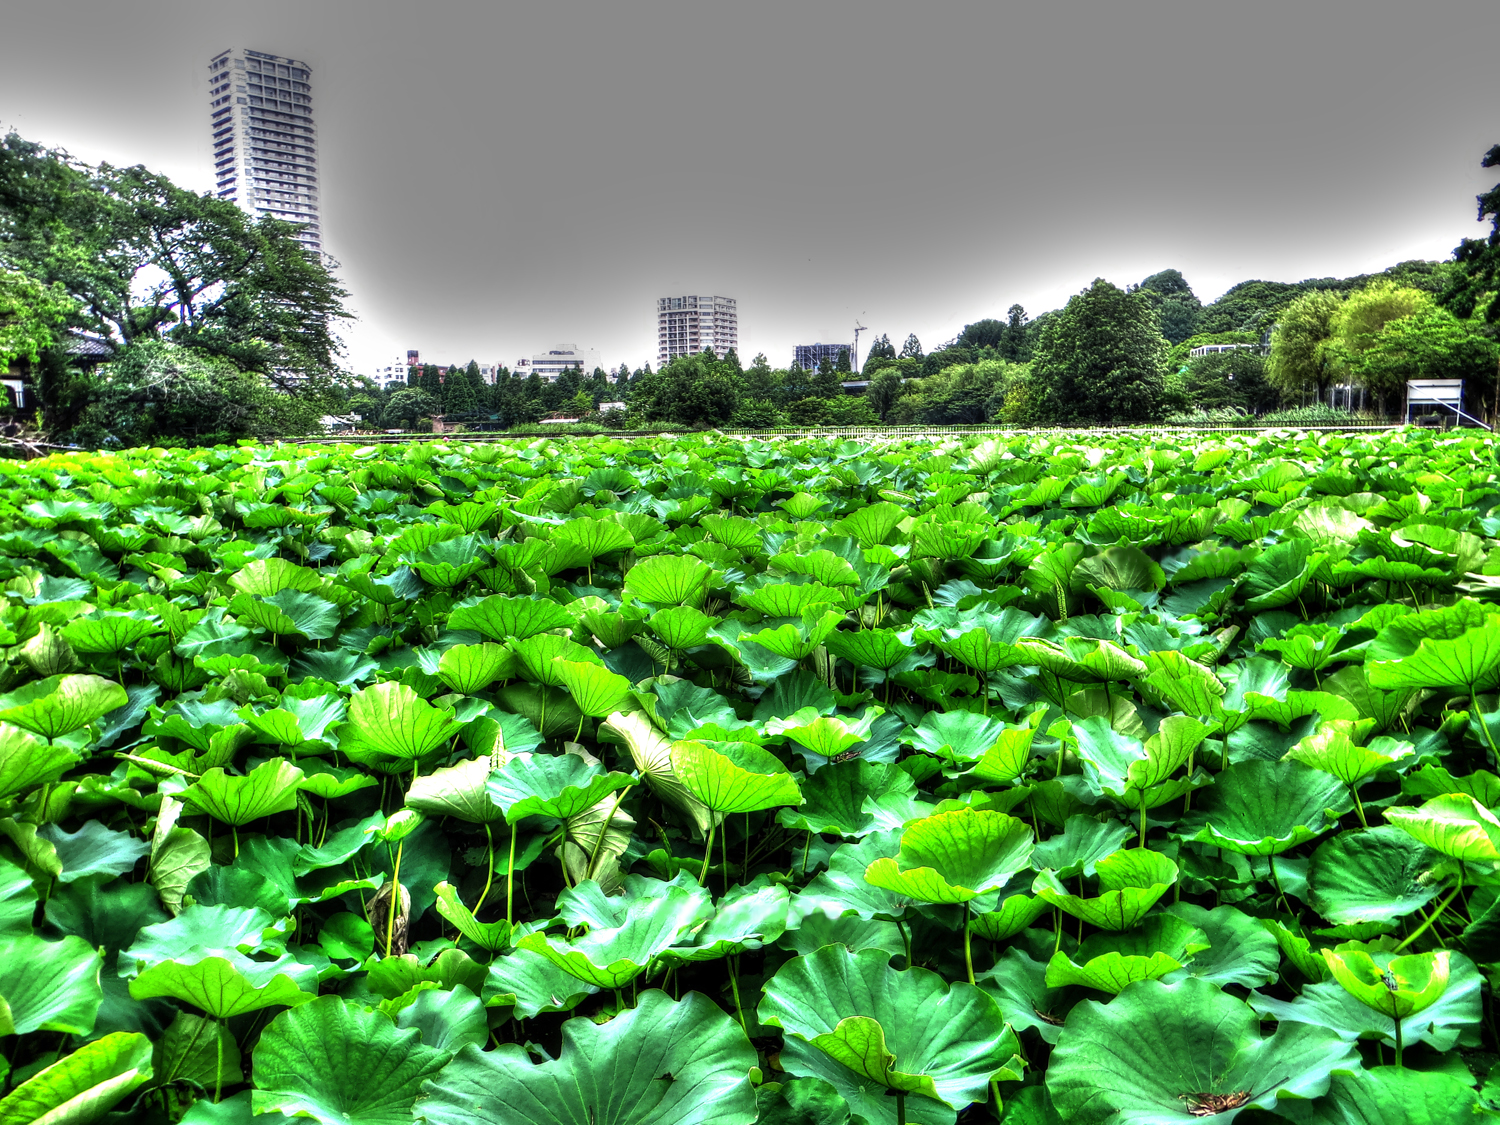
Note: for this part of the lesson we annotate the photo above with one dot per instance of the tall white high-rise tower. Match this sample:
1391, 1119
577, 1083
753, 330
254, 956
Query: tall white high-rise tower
686, 325
265, 147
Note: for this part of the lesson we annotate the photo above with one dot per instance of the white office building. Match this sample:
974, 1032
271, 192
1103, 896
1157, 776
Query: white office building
265, 146
685, 325
553, 362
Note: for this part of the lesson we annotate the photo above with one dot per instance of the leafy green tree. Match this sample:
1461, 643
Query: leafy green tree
827, 382
367, 407
1013, 345
841, 365
758, 381
477, 385
912, 349
1430, 343
33, 316
886, 386
808, 411
1304, 354
1101, 359
880, 349
731, 362
757, 414
1360, 321
957, 395
409, 406
1475, 281
1225, 380
458, 398
156, 390
849, 410
989, 333
690, 390
1176, 305
143, 257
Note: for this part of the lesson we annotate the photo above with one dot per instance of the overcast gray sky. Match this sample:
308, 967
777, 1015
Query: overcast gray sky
498, 178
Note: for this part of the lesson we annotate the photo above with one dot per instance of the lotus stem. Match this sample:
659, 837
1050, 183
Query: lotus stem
219, 1068
394, 906
1359, 807
968, 947
1436, 914
489, 870
604, 828
1398, 1041
510, 876
708, 851
1142, 842
734, 987
235, 833
1483, 726
900, 1108
577, 734
1275, 878
905, 939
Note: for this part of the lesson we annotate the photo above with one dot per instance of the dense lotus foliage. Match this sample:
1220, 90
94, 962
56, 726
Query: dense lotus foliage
703, 782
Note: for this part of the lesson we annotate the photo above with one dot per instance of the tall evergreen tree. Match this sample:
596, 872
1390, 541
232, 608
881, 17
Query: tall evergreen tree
1013, 347
458, 393
842, 364
912, 349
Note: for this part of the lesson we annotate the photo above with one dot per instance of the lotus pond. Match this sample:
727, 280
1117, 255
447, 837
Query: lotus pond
698, 781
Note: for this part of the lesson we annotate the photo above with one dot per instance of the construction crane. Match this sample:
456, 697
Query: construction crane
858, 328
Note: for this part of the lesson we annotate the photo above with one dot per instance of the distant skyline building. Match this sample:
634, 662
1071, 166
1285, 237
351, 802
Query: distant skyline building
553, 362
686, 325
809, 356
265, 145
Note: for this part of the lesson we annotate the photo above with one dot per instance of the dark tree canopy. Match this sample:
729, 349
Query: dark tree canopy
1101, 359
1477, 275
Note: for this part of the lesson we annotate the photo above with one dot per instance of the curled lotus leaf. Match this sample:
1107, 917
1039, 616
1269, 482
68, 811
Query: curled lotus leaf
1130, 884
734, 777
1454, 824
59, 705
1257, 807
955, 856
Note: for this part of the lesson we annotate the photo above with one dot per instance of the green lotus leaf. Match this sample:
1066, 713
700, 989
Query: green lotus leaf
1456, 647
1107, 961
392, 720
1389, 1095
1455, 824
1013, 914
749, 916
800, 1101
93, 850
448, 1019
197, 1050
843, 887
1452, 1019
1135, 773
227, 986
1009, 756
177, 855
910, 1032
1335, 748
267, 577
538, 984
1435, 781
341, 1065
502, 618
1185, 685
1018, 985
460, 791
471, 668
955, 856
612, 956
1240, 949
1376, 876
296, 721
48, 985
59, 705
109, 632
1394, 986
268, 789
1130, 883
289, 613
237, 887
393, 977
669, 580
1352, 685
840, 797
681, 626
1264, 808
26, 761
1280, 574
796, 640
1081, 844
1202, 1045
652, 753
828, 735
959, 736
734, 777
491, 936
1082, 659
347, 937
451, 562
662, 1062
596, 691
555, 785
332, 783
881, 649
1119, 568
82, 1087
